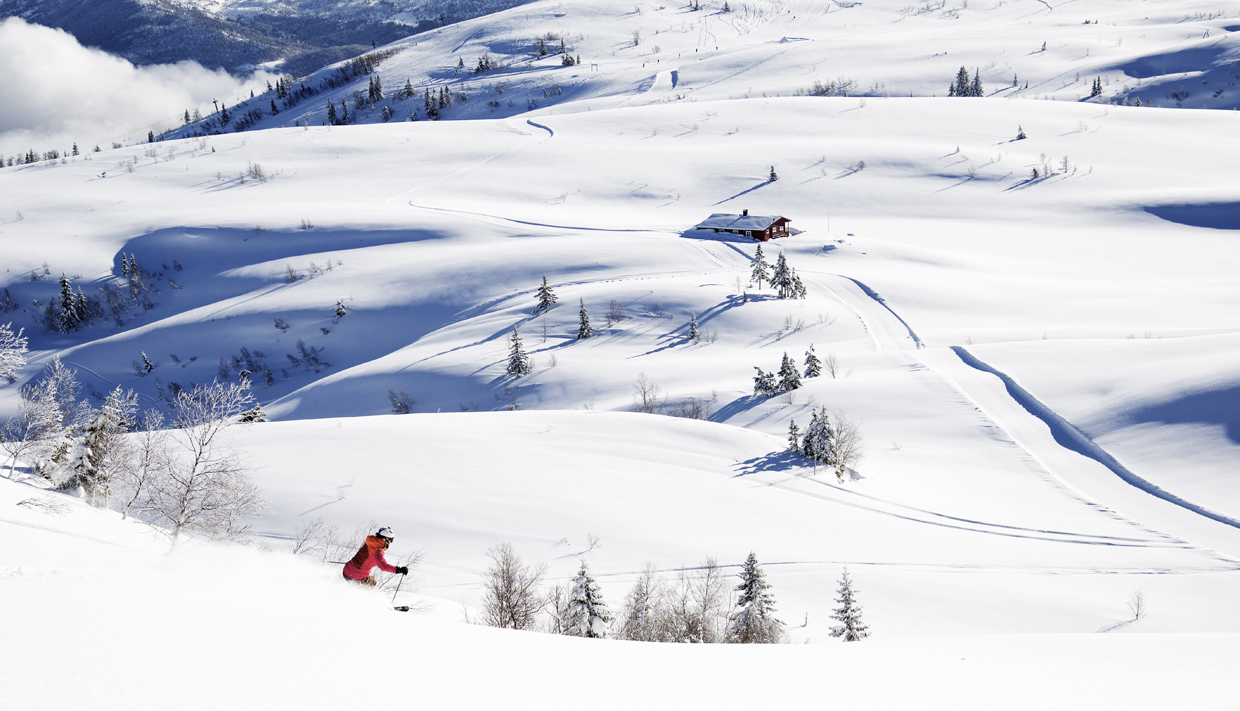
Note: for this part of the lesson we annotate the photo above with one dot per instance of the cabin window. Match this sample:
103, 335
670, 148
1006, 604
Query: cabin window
748, 233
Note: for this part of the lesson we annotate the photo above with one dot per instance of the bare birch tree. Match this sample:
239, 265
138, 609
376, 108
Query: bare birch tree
205, 486
511, 598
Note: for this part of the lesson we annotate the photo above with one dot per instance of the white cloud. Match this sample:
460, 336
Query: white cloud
56, 92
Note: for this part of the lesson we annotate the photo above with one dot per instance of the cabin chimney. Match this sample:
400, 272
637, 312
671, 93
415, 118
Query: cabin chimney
745, 213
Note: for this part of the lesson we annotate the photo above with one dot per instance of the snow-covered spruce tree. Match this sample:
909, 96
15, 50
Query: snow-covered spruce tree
785, 281
794, 437
510, 590
764, 383
583, 326
340, 311
848, 613
772, 177
588, 612
254, 414
754, 621
545, 296
332, 118
12, 352
817, 444
813, 366
789, 378
695, 336
103, 451
759, 269
518, 361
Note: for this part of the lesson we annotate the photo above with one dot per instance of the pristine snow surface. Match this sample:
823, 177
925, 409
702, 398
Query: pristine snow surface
1044, 371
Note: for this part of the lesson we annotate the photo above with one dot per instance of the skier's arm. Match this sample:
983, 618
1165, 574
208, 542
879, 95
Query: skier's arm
383, 564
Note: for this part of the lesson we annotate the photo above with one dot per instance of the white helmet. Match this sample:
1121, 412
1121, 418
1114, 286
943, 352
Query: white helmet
386, 534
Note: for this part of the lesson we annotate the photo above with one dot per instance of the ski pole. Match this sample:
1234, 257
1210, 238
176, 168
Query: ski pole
398, 584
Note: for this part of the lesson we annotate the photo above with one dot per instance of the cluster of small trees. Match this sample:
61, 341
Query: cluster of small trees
180, 473
783, 278
837, 446
964, 86
697, 607
70, 311
787, 379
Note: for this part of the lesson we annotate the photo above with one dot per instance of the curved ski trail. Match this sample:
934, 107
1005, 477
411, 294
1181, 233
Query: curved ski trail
1081, 465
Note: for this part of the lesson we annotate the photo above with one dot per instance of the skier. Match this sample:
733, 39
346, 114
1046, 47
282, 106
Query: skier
370, 556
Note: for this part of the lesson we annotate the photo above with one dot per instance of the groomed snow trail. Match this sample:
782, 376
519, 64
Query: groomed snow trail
1085, 467
1033, 426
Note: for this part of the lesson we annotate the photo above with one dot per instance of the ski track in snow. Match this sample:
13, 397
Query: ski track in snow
1081, 465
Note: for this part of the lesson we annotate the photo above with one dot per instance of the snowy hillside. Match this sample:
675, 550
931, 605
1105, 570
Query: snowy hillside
1167, 54
1035, 336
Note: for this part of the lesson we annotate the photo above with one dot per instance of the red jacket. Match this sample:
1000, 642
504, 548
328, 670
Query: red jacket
368, 557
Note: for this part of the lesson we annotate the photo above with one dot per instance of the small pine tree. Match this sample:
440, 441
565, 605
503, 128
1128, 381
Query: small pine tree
274, 110
588, 614
759, 269
546, 297
147, 365
518, 361
583, 327
848, 613
785, 281
794, 437
344, 113
764, 383
962, 85
254, 414
975, 88
694, 335
817, 444
225, 117
1097, 89
773, 176
1020, 133
754, 621
789, 378
340, 311
813, 366
332, 118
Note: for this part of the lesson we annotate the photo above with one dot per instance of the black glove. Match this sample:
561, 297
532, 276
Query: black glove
402, 570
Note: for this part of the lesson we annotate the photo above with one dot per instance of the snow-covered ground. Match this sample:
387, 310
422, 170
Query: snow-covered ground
1043, 370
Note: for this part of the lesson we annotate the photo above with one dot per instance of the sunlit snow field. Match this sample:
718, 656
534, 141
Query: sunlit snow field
1044, 371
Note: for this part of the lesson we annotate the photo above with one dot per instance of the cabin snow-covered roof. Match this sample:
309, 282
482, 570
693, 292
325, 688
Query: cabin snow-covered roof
725, 221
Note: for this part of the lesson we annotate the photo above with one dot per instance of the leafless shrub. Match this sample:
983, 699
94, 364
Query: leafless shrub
615, 311
846, 444
401, 402
45, 504
1137, 606
313, 537
511, 598
831, 364
696, 408
648, 397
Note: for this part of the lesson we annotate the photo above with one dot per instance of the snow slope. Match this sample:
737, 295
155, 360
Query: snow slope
1042, 368
280, 632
